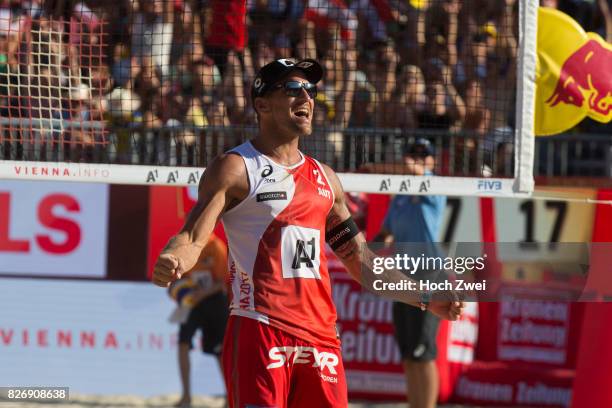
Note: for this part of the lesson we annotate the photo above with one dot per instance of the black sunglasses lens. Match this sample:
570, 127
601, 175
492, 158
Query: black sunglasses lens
294, 88
311, 89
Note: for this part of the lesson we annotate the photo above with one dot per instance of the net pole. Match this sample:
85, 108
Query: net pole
525, 96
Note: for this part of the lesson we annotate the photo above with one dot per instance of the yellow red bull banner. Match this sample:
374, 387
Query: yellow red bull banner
573, 74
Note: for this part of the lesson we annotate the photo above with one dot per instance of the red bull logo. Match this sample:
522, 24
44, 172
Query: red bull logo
573, 74
586, 77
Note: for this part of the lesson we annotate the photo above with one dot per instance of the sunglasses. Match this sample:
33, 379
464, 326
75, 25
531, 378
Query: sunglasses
294, 88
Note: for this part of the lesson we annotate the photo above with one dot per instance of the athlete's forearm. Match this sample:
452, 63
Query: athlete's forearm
184, 250
188, 243
200, 223
181, 240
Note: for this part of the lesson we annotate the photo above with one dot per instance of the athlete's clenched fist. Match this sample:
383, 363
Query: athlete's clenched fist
176, 259
167, 269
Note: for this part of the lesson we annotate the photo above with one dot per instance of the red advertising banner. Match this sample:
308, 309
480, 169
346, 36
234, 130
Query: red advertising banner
510, 385
538, 332
53, 229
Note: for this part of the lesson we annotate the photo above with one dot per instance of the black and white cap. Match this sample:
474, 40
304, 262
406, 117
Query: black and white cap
273, 72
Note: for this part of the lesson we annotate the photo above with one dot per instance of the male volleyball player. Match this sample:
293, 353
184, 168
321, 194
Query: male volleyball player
278, 208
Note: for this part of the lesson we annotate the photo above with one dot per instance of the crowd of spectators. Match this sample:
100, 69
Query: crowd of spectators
439, 67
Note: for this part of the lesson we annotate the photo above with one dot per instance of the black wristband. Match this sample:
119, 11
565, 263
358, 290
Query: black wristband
342, 233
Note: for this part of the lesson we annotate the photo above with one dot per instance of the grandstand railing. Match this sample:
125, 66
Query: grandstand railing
347, 150
575, 154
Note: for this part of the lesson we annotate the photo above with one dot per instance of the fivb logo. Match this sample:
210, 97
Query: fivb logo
489, 185
286, 355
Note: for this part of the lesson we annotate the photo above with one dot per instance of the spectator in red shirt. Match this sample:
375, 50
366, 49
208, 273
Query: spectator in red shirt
227, 31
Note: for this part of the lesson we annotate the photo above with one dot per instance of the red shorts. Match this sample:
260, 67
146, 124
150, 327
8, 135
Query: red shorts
265, 367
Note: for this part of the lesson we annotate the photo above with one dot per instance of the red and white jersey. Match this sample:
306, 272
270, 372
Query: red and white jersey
276, 238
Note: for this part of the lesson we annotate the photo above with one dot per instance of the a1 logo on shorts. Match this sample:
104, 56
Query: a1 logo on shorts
300, 249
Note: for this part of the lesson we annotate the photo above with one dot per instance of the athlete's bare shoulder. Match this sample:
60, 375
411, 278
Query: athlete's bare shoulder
226, 174
225, 169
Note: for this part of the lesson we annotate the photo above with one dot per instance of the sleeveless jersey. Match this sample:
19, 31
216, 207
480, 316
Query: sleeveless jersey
276, 238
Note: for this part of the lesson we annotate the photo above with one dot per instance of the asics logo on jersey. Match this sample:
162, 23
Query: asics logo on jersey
266, 171
286, 355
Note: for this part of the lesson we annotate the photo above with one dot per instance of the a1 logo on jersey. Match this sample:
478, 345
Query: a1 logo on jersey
300, 248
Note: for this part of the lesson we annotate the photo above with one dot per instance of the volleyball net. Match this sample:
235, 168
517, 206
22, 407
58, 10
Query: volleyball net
149, 92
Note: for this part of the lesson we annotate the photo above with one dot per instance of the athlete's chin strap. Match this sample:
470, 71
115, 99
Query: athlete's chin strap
342, 233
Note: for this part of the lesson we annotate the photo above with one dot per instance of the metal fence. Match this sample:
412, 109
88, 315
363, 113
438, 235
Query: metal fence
575, 154
347, 150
